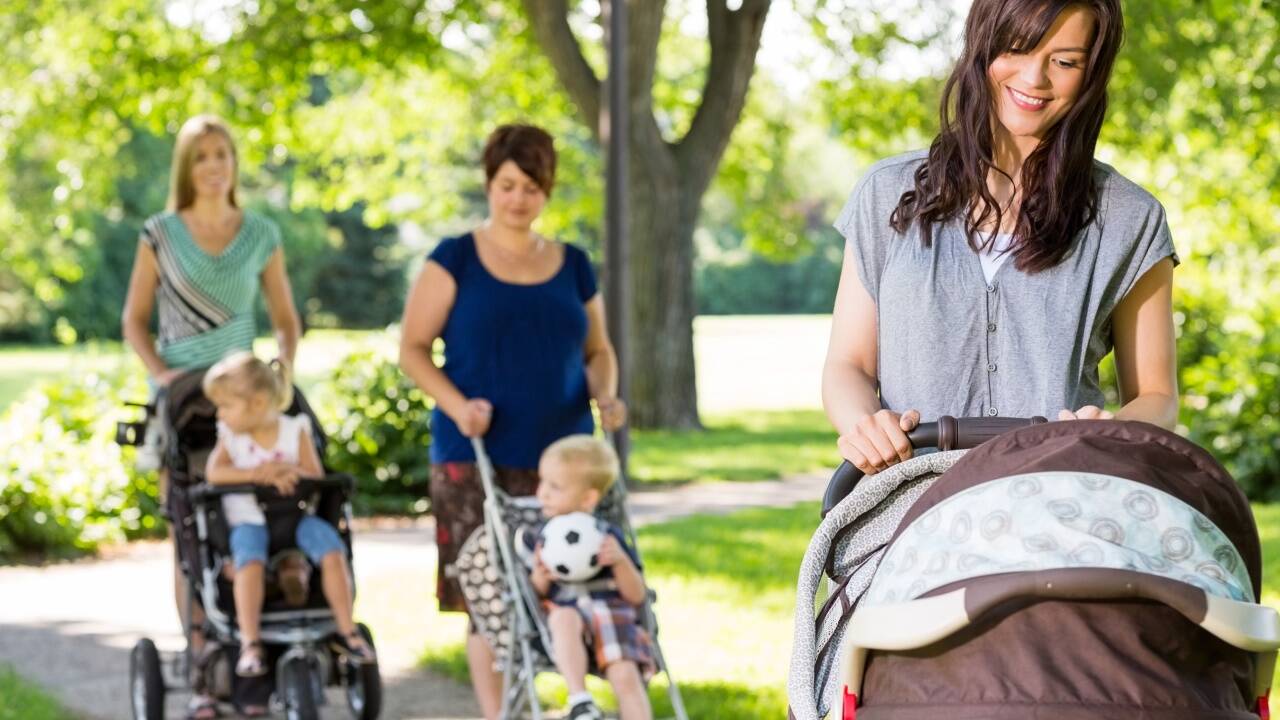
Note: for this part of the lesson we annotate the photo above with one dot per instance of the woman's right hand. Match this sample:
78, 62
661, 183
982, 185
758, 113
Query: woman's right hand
879, 440
168, 376
473, 419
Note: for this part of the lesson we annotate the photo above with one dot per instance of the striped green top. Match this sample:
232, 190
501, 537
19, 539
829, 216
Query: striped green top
206, 302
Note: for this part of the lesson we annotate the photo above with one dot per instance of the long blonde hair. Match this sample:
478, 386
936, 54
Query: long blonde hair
182, 191
243, 373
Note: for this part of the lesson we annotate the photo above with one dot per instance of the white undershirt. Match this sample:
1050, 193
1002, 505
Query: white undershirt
995, 254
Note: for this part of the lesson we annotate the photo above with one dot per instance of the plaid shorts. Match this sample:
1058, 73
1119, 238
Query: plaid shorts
612, 630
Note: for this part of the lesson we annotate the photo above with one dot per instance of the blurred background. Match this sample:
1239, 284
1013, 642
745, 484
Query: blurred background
359, 125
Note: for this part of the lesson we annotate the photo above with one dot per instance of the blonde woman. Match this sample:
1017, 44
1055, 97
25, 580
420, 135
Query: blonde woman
201, 264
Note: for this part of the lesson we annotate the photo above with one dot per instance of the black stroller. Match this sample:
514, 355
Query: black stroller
299, 639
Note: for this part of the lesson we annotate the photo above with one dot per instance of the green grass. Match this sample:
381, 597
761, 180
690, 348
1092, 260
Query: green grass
726, 588
20, 700
745, 445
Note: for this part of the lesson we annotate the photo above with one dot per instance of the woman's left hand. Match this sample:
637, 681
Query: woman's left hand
613, 412
1088, 412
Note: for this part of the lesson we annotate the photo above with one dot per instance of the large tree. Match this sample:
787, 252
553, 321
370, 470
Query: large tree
667, 180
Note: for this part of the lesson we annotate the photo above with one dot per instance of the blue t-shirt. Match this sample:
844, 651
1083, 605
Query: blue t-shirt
521, 348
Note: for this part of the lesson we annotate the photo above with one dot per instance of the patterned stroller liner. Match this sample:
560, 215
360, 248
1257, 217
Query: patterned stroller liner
1097, 569
503, 605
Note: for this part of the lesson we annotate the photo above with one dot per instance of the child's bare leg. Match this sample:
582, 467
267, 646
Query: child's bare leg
628, 686
336, 582
570, 652
248, 589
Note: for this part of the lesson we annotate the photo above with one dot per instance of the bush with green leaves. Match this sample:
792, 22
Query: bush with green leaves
377, 422
65, 486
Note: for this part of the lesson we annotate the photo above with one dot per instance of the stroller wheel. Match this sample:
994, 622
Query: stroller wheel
299, 690
146, 683
364, 684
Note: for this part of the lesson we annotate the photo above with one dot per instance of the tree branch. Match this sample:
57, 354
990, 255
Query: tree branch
550, 20
735, 38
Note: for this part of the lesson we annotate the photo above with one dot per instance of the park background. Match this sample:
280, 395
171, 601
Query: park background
359, 125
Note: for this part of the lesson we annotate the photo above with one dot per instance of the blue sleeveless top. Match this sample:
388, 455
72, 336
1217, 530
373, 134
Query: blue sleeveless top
521, 348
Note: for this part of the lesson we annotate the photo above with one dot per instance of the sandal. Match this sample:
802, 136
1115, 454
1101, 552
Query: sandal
251, 662
202, 707
354, 646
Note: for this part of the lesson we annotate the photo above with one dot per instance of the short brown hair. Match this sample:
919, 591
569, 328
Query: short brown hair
529, 147
594, 459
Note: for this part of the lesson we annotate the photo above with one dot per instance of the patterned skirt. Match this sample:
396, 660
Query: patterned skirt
457, 501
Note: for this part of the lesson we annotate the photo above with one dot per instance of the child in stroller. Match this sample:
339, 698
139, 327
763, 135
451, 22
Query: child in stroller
257, 444
305, 651
575, 473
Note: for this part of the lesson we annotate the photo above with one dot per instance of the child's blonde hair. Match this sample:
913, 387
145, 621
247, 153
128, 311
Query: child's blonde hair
595, 459
243, 373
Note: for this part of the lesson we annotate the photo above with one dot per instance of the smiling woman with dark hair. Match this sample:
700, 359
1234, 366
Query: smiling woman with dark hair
991, 274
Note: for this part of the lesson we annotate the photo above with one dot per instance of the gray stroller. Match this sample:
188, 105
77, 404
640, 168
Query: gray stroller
503, 605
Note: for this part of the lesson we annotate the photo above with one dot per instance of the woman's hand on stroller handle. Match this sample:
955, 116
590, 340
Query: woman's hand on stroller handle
879, 440
1088, 412
947, 433
613, 412
473, 417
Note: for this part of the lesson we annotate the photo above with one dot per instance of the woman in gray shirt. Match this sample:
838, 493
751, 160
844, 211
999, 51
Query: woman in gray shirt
992, 273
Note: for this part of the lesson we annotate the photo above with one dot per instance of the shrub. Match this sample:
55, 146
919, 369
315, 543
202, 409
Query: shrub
377, 421
65, 486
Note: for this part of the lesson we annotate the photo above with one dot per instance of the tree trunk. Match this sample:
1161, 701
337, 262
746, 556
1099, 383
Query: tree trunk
663, 386
667, 181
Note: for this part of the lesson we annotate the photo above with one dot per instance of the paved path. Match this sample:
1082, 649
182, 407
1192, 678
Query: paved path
69, 627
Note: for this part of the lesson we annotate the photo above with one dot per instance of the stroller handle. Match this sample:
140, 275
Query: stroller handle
948, 433
306, 486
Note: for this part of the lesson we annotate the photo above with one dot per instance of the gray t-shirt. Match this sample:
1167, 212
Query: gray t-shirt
950, 343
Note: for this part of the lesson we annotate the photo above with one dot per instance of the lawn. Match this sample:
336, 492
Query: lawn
771, 362
19, 700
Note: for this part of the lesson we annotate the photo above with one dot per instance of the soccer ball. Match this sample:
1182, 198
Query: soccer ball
571, 546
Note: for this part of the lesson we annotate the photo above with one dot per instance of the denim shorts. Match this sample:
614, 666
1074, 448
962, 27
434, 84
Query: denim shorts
315, 537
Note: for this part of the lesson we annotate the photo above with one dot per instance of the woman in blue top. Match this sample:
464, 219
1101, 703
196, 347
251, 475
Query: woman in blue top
525, 351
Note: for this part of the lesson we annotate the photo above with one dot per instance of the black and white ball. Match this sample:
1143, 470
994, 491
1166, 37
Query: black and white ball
571, 546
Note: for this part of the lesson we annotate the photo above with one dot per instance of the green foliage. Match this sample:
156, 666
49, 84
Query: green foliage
378, 425
757, 285
65, 486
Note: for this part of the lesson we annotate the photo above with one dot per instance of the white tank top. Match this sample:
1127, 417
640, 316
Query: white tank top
246, 454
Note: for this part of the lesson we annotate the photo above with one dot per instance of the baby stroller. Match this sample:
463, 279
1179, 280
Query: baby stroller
1094, 569
501, 600
302, 656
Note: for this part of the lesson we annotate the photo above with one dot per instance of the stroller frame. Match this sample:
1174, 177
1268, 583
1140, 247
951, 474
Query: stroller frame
307, 665
526, 659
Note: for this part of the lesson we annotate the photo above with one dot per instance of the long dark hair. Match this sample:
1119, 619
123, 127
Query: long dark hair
1059, 195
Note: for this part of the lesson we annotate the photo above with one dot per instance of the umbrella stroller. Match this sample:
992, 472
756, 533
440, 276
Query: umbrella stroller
501, 600
1090, 569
